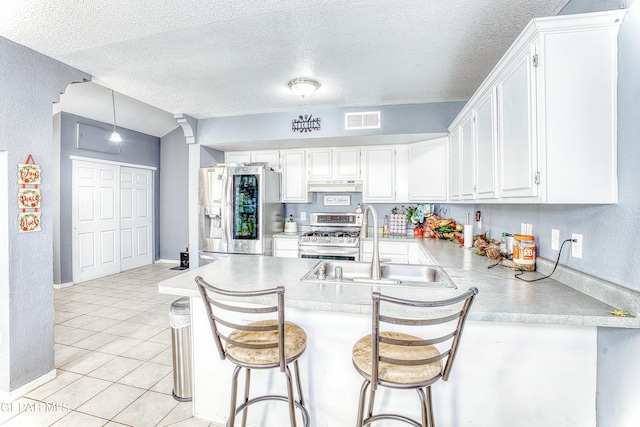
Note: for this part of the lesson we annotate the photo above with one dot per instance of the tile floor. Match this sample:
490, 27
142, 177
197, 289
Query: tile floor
112, 355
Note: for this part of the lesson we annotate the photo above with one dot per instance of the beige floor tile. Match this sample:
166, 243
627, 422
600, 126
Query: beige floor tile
123, 329
183, 412
67, 354
144, 332
145, 351
146, 318
146, 376
163, 337
62, 316
77, 419
122, 313
165, 385
78, 392
80, 321
120, 345
147, 411
101, 324
63, 379
164, 358
115, 369
95, 341
111, 401
73, 337
88, 362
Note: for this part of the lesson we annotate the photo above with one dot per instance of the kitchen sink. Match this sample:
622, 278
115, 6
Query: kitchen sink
391, 274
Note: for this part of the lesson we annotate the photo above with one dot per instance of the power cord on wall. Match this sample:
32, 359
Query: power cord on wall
521, 272
517, 276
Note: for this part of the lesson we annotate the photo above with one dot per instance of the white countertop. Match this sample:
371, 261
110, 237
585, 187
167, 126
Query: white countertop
501, 298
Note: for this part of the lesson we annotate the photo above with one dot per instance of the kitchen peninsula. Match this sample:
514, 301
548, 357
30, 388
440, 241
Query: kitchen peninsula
528, 356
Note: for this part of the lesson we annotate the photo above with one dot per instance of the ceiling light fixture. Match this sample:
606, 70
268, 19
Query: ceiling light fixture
115, 136
303, 86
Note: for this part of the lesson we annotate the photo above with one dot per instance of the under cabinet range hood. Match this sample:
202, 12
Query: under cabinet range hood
334, 186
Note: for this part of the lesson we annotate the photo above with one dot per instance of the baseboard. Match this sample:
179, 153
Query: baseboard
62, 285
167, 261
19, 392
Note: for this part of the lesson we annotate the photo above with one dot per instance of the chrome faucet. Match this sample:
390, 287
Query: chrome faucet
375, 258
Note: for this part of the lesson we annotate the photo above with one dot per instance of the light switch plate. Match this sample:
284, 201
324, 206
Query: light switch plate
555, 239
303, 216
529, 230
523, 228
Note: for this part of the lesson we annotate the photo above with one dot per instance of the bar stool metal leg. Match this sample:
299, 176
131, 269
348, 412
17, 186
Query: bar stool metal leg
298, 384
234, 391
363, 393
247, 383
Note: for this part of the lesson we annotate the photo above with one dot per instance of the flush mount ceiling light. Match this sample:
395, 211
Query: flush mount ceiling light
115, 136
303, 86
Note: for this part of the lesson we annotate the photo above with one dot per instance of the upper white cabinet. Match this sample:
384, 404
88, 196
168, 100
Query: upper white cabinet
428, 171
346, 163
294, 176
339, 163
270, 157
379, 183
486, 146
517, 124
542, 128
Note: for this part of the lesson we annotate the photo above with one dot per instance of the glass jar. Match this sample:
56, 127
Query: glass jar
524, 252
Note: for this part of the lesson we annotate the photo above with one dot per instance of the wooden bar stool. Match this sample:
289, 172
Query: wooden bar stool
401, 361
262, 344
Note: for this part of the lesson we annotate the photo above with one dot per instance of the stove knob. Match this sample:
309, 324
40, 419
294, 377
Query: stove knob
348, 240
306, 239
327, 239
342, 240
314, 238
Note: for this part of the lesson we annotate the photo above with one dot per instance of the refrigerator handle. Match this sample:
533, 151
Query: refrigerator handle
227, 210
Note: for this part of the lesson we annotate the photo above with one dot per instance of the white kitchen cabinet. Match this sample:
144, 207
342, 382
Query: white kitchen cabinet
455, 193
516, 132
320, 163
428, 171
346, 163
337, 163
294, 176
270, 157
237, 157
379, 174
389, 251
285, 246
486, 146
467, 158
556, 116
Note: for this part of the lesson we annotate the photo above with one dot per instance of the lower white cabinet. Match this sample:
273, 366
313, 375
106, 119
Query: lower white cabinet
285, 246
390, 251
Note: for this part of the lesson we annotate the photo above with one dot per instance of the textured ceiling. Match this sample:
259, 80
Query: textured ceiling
217, 58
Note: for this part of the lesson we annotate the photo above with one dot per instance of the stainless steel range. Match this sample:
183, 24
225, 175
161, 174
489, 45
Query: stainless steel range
332, 236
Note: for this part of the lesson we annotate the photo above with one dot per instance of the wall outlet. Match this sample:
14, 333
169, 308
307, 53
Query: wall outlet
303, 216
576, 247
555, 239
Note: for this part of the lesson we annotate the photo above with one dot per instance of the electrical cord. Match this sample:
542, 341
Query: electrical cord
517, 276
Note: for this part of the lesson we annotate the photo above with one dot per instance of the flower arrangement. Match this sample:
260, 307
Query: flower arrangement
416, 215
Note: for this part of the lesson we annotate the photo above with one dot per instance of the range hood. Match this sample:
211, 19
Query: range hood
335, 186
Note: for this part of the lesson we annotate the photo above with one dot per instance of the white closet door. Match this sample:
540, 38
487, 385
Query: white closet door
95, 220
136, 217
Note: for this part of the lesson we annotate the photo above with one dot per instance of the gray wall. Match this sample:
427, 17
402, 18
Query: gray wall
29, 85
174, 207
395, 119
136, 148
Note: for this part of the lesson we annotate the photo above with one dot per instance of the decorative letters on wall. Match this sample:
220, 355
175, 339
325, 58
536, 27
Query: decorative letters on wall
29, 196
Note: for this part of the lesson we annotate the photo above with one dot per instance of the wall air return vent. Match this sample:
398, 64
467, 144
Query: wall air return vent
366, 120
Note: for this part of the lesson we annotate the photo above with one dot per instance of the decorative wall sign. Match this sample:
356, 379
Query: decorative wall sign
334, 200
29, 221
29, 198
305, 124
28, 173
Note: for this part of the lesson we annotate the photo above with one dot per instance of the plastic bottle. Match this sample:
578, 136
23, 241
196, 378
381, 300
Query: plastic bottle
385, 226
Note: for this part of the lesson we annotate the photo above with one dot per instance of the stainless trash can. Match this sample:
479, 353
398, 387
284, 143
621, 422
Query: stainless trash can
180, 321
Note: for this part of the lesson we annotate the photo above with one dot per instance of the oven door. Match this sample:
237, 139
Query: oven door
329, 252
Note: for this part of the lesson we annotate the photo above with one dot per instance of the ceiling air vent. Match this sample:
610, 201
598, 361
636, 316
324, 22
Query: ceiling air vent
367, 120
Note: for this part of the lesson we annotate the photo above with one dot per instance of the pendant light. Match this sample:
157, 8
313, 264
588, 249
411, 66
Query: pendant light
115, 136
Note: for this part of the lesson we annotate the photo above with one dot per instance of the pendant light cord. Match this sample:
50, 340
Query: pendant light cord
113, 103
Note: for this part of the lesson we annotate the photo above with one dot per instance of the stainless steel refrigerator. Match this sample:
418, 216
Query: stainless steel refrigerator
240, 209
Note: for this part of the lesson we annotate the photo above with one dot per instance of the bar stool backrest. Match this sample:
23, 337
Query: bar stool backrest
221, 312
437, 323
